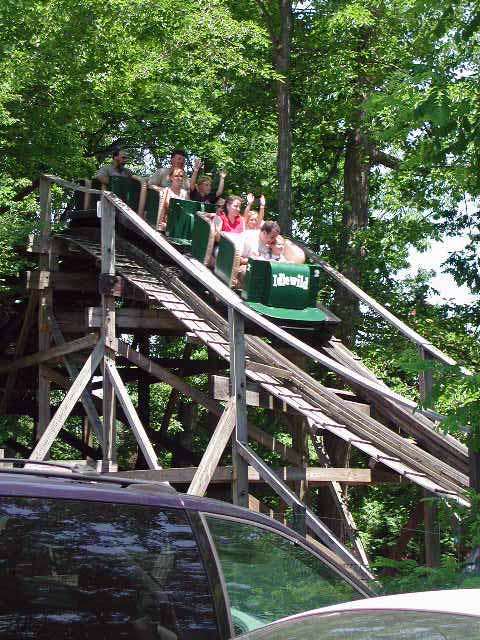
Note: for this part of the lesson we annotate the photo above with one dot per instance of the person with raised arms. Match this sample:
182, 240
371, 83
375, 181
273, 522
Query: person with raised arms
201, 187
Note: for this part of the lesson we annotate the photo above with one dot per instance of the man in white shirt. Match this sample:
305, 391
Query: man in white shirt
256, 242
161, 177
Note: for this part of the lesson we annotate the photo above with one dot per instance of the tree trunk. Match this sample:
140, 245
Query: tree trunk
355, 217
284, 153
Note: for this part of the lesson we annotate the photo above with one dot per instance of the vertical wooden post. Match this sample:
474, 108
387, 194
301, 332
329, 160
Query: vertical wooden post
109, 461
238, 385
45, 302
143, 394
430, 510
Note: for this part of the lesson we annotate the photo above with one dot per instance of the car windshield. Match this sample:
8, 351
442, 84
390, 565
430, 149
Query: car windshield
373, 625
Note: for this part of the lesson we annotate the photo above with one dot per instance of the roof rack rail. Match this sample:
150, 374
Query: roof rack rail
66, 471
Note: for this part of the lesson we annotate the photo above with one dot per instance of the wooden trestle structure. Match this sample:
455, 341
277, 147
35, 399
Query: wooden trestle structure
93, 285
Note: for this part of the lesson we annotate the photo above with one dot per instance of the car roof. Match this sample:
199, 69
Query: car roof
454, 601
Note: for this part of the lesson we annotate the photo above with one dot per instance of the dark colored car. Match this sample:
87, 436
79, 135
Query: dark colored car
95, 557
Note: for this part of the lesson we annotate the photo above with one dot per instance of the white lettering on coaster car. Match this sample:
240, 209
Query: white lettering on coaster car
282, 280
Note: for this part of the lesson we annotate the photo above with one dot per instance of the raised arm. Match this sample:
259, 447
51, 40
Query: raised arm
196, 168
250, 201
221, 183
261, 213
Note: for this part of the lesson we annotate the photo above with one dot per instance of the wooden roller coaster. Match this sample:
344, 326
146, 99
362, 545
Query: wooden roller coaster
96, 282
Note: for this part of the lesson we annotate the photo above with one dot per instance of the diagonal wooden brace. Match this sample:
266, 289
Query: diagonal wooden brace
213, 452
70, 400
132, 416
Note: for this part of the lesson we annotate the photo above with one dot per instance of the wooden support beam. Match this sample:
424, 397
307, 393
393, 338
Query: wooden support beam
265, 439
73, 372
132, 416
136, 319
51, 354
47, 262
238, 384
43, 446
224, 475
109, 461
430, 515
214, 451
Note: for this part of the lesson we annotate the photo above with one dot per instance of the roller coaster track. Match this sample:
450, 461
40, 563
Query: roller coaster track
322, 409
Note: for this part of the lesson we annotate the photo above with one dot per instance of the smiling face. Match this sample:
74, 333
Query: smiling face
252, 222
204, 187
176, 178
234, 208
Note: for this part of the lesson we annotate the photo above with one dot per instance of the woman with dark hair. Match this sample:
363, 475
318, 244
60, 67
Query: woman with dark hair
229, 218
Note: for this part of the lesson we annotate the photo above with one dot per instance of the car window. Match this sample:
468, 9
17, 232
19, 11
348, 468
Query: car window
269, 576
382, 625
78, 570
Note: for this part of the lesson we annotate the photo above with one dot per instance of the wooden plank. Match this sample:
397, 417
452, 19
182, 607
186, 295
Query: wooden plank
70, 185
43, 446
73, 372
265, 439
214, 451
109, 460
430, 507
238, 384
47, 263
51, 354
135, 318
276, 372
132, 416
318, 476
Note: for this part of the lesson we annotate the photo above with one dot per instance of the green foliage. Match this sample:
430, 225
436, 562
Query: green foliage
411, 576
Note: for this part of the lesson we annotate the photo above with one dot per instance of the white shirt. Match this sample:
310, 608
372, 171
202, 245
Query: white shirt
253, 247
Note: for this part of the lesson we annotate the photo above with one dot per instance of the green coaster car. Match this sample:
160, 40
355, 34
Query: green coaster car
281, 291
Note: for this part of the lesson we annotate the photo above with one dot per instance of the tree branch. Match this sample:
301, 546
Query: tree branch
380, 157
269, 23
